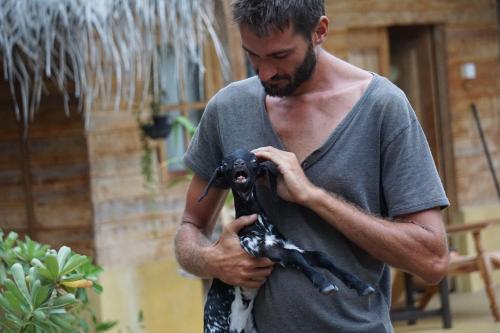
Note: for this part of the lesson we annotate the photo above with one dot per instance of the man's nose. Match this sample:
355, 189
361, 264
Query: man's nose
266, 71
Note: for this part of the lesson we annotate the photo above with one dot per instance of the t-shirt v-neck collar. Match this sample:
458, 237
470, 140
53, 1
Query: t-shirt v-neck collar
316, 154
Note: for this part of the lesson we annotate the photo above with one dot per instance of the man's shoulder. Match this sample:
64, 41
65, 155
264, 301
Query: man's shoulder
389, 101
385, 91
235, 91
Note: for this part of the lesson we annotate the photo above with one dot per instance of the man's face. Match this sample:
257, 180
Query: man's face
301, 74
283, 60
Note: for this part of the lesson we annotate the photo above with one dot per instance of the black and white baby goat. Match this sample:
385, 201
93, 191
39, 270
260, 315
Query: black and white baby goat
228, 309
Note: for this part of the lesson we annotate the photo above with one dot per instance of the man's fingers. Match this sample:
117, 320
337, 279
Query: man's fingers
241, 222
263, 262
262, 273
279, 157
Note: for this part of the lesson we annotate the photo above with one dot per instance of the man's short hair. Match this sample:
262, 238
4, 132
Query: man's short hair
261, 16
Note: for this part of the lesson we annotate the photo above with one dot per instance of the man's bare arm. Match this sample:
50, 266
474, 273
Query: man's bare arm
198, 222
224, 259
415, 243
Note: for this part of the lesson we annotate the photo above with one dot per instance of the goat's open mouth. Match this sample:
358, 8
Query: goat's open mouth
240, 177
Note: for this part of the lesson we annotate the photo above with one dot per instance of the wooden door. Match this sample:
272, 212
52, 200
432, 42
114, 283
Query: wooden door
418, 68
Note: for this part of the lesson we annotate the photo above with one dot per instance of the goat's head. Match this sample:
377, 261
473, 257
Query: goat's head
240, 171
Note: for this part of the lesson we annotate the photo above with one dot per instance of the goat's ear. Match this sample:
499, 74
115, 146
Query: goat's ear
269, 170
219, 172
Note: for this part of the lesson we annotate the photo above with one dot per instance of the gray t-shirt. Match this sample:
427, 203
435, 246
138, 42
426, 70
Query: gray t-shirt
377, 158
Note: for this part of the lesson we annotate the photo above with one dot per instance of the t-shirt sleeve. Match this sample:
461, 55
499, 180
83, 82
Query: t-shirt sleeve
410, 180
204, 153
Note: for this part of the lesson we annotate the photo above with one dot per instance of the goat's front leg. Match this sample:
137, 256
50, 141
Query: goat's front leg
292, 257
320, 259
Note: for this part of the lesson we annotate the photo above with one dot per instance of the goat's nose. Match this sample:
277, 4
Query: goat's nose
239, 162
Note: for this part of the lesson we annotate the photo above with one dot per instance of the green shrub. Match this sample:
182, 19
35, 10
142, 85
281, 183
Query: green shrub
43, 290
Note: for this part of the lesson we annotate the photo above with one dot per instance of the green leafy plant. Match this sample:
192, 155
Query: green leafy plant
44, 290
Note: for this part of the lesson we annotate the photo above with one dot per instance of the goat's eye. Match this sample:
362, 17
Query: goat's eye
254, 160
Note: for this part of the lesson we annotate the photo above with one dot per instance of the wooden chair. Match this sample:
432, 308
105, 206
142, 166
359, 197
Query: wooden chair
482, 261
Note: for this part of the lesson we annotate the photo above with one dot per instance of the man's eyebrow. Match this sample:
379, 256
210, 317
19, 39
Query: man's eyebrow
280, 52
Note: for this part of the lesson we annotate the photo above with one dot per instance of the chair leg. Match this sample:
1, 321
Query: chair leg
410, 299
485, 268
445, 302
429, 292
486, 271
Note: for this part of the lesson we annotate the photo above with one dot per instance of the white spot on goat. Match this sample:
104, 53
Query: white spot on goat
241, 312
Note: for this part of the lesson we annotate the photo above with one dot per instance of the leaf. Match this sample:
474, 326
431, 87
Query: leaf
10, 240
9, 325
81, 294
42, 296
17, 272
14, 290
13, 303
186, 123
66, 299
62, 255
62, 322
52, 266
35, 289
13, 318
58, 311
73, 263
104, 326
5, 304
97, 288
42, 269
3, 273
39, 315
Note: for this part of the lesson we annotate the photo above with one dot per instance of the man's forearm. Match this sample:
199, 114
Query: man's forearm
418, 247
190, 245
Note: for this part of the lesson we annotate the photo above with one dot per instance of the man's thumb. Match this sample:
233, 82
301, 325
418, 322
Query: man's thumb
242, 222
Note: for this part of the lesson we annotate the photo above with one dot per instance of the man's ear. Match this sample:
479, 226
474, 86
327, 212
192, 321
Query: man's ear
321, 30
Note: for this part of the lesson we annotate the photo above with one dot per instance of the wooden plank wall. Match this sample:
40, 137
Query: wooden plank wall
133, 224
44, 179
471, 35
13, 209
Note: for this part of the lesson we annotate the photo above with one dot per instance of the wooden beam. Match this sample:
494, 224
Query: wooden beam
444, 123
233, 46
27, 181
183, 107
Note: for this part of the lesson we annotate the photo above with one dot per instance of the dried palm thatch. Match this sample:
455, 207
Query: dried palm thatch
101, 47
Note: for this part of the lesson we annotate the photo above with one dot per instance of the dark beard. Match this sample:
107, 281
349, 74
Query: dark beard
301, 74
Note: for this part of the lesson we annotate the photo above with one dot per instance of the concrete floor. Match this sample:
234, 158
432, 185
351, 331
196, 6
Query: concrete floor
470, 314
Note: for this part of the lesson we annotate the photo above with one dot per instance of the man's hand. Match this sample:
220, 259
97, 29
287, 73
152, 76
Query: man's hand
228, 262
293, 184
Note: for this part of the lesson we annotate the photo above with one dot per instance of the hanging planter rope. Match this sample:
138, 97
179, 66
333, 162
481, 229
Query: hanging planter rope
101, 47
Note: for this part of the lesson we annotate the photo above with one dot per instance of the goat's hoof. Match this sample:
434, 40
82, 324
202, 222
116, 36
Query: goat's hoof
367, 291
329, 289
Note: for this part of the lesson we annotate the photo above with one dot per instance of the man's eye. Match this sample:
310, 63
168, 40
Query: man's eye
280, 56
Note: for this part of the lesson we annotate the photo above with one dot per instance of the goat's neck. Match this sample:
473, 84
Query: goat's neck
245, 203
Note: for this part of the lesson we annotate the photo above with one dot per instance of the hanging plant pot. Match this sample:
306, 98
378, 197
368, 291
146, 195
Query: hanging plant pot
160, 129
